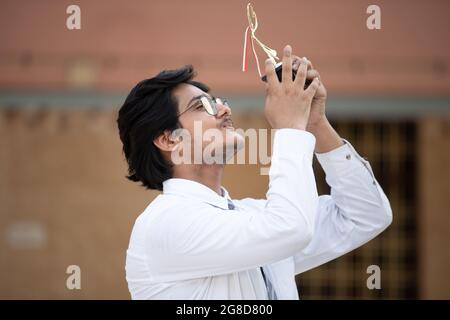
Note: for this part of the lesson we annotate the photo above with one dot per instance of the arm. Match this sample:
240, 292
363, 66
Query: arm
357, 209
355, 212
212, 241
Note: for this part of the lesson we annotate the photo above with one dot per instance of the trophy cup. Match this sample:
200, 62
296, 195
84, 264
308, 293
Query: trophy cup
271, 53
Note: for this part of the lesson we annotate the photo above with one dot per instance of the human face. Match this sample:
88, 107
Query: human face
208, 130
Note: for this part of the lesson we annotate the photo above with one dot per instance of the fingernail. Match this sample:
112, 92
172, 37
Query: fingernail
288, 50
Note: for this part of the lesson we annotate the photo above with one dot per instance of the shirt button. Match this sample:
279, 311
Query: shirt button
348, 157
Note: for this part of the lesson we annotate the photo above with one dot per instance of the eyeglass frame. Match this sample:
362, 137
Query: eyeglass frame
211, 100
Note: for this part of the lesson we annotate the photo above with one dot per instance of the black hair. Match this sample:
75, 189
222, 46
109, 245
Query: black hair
149, 110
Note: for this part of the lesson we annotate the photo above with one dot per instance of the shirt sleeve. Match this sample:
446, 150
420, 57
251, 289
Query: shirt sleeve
212, 241
356, 210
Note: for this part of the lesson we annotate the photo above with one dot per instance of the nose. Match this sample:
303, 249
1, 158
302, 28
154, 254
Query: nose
223, 110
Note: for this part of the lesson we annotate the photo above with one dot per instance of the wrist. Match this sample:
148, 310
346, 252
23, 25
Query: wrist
299, 125
327, 138
296, 127
317, 125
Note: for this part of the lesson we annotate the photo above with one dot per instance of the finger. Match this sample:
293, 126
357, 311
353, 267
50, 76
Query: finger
295, 62
272, 79
311, 74
312, 88
310, 65
287, 65
300, 78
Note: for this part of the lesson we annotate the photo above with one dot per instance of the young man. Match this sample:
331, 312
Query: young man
193, 241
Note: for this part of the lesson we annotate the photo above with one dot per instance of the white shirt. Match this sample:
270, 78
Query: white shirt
187, 244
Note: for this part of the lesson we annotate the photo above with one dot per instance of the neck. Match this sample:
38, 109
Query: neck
208, 175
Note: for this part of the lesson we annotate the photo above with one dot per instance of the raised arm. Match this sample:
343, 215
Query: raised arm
357, 209
210, 241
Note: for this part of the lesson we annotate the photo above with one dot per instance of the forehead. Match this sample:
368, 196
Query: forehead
184, 93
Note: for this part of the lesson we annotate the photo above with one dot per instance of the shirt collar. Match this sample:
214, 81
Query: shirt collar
195, 190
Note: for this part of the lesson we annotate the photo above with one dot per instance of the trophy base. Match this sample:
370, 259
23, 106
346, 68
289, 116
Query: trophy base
279, 69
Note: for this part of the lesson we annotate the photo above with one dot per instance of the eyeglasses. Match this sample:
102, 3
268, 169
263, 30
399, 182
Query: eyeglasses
209, 104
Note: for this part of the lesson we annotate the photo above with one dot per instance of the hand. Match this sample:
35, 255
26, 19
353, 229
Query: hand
288, 104
327, 138
317, 114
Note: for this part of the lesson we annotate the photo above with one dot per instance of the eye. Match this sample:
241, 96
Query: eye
200, 106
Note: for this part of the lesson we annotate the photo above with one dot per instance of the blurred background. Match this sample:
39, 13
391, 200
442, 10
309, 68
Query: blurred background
64, 199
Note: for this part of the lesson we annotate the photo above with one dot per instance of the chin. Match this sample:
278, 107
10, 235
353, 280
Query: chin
228, 144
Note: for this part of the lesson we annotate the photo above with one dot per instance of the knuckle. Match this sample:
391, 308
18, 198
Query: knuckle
288, 90
272, 91
301, 72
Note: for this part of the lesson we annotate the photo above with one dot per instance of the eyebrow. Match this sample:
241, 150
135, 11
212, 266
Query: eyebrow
195, 98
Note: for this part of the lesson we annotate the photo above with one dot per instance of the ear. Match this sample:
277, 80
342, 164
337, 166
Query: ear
166, 142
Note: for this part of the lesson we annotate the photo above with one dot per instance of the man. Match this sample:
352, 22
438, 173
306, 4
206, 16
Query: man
193, 241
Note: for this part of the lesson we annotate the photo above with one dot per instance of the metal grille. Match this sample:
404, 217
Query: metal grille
391, 149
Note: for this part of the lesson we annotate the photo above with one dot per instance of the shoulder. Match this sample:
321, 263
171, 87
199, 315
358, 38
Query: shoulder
167, 217
251, 203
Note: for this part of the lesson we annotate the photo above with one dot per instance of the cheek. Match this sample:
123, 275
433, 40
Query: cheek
209, 122
197, 124
199, 120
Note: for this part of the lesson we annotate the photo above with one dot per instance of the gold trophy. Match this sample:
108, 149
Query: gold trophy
251, 38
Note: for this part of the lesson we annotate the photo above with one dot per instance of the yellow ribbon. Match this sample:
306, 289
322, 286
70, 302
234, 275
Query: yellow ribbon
252, 26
